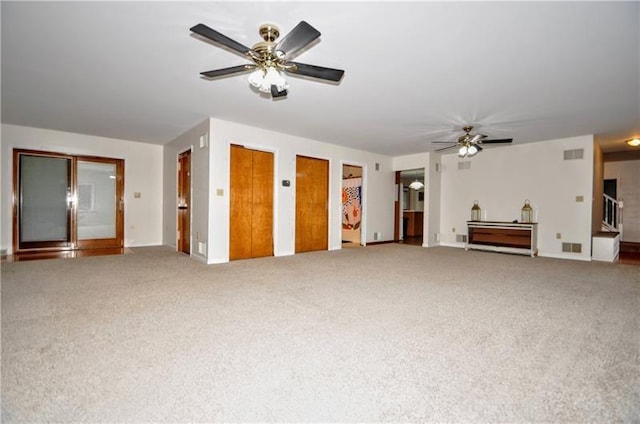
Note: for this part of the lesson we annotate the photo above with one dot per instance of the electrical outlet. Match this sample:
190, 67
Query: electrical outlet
453, 230
579, 198
558, 236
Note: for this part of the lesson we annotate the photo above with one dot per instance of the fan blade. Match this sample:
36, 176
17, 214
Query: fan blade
275, 93
476, 138
299, 37
502, 140
226, 71
213, 35
478, 147
445, 148
443, 142
316, 71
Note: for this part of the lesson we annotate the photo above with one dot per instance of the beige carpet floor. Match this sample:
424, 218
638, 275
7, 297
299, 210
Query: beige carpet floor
383, 333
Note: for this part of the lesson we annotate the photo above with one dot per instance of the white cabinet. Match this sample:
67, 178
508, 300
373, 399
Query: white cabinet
606, 247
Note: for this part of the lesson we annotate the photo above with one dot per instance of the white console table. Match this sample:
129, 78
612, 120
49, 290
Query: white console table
509, 237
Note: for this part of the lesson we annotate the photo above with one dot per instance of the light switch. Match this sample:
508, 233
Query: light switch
136, 195
579, 198
220, 192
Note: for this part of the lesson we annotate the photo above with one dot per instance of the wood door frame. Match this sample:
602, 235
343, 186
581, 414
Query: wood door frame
396, 208
74, 244
179, 245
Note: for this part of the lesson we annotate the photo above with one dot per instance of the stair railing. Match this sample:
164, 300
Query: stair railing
612, 216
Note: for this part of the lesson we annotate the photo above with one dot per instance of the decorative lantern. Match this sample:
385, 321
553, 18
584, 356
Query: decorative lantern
476, 211
526, 215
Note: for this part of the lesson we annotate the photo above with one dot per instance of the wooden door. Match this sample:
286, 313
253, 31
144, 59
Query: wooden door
312, 204
184, 202
251, 204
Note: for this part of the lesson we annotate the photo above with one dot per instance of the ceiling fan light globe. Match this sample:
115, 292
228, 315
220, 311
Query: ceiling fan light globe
256, 78
273, 77
463, 151
472, 150
416, 185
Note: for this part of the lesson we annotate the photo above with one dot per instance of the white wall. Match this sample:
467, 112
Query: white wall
378, 190
199, 207
501, 178
628, 175
143, 174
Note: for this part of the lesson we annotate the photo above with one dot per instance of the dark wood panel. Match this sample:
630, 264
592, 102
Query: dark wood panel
501, 237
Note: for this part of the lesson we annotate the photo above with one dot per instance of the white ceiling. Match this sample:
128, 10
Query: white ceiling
415, 72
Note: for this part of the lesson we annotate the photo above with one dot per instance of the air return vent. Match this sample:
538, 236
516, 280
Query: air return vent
461, 238
464, 165
572, 247
573, 154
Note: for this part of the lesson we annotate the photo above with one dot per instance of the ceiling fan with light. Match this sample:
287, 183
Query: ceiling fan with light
271, 58
469, 144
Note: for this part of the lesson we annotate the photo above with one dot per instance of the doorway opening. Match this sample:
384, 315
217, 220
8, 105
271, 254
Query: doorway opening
410, 207
351, 206
610, 204
184, 202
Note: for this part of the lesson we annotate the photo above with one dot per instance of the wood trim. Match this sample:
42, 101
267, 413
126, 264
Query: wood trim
374, 243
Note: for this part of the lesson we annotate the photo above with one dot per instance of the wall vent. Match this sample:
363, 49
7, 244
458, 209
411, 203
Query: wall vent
377, 166
377, 236
461, 238
572, 247
437, 167
573, 154
464, 165
204, 140
202, 248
